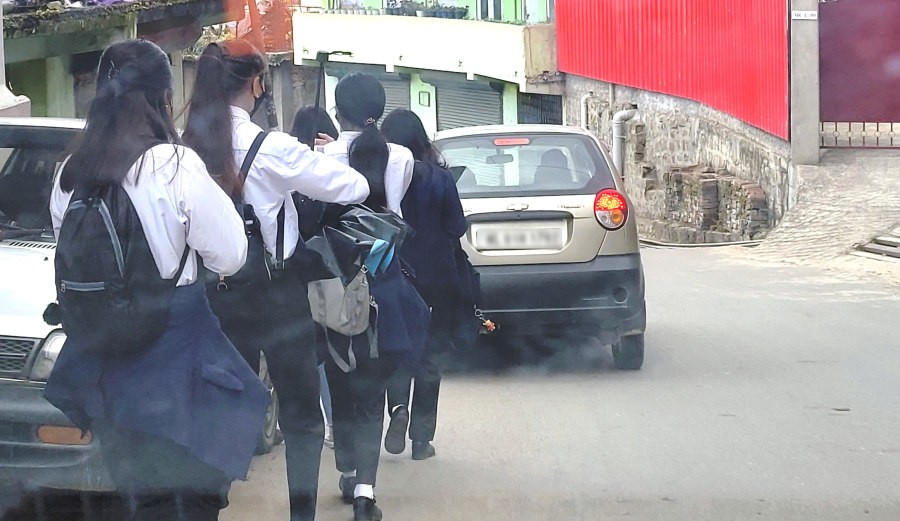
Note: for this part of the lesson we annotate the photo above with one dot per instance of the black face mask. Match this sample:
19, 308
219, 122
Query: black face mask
262, 101
266, 102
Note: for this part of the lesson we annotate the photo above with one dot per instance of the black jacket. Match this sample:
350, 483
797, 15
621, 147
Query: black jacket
432, 208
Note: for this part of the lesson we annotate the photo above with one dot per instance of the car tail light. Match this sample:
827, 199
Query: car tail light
58, 435
610, 209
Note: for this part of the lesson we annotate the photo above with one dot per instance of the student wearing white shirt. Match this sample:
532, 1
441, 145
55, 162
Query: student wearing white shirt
358, 397
155, 412
229, 86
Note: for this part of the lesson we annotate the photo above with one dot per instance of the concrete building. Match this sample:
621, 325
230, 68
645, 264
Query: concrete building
498, 66
51, 55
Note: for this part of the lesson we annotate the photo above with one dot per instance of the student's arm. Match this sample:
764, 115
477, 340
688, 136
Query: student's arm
299, 169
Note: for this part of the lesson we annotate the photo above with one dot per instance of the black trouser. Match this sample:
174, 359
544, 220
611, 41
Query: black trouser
284, 331
426, 372
357, 402
160, 480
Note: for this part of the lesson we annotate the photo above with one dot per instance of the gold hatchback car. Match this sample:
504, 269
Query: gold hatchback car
551, 232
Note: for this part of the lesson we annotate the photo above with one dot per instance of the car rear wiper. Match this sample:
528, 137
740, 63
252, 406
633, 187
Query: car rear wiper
20, 233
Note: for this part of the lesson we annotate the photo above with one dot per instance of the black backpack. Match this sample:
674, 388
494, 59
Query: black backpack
110, 294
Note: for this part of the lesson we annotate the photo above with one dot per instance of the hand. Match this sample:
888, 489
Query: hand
323, 139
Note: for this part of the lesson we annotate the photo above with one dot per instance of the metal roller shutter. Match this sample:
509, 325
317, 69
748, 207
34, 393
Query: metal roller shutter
396, 93
466, 105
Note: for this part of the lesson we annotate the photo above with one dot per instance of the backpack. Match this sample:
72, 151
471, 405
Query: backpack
110, 294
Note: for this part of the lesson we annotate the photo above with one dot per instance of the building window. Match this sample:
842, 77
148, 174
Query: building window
541, 109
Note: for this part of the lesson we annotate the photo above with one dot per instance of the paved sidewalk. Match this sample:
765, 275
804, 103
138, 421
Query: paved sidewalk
853, 196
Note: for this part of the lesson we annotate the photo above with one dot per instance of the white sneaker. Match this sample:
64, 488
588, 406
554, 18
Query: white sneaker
329, 437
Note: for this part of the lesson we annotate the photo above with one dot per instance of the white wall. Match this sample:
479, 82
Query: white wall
487, 49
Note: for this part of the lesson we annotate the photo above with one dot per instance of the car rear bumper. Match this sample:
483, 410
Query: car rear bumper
27, 462
603, 297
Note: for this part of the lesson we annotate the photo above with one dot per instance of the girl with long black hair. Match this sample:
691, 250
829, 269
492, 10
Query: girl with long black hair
358, 396
229, 86
158, 413
432, 207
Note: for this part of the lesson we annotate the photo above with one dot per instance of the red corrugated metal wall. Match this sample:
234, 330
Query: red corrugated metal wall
732, 56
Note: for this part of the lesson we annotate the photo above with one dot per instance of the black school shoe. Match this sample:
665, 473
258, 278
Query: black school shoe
395, 438
347, 485
364, 509
422, 450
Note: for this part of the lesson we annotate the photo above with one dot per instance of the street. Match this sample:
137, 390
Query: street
768, 392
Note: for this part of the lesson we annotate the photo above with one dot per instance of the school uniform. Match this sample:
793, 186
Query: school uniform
358, 397
189, 399
433, 209
283, 327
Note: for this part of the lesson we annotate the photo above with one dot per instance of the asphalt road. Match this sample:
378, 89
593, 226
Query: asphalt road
768, 392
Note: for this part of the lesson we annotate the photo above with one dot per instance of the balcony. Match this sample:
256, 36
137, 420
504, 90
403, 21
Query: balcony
524, 55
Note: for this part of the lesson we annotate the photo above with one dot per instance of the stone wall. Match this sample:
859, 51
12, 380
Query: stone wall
673, 135
706, 206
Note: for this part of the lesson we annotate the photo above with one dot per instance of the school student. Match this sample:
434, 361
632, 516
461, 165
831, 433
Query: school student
313, 125
432, 207
228, 89
358, 396
158, 409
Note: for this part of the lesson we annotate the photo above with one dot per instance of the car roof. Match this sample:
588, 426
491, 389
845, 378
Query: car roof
487, 130
64, 123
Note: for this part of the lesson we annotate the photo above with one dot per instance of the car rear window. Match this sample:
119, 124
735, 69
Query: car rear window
525, 164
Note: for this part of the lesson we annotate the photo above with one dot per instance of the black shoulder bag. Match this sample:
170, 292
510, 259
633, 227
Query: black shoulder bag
232, 298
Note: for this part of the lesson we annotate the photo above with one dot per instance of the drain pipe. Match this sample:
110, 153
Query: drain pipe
584, 109
618, 125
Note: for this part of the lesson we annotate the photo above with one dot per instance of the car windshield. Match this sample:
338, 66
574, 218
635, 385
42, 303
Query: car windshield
29, 157
500, 165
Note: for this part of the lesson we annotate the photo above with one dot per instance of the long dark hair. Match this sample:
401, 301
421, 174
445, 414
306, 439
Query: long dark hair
309, 122
403, 127
130, 113
223, 71
360, 99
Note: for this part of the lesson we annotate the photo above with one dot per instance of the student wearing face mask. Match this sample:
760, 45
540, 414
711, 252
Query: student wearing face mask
229, 86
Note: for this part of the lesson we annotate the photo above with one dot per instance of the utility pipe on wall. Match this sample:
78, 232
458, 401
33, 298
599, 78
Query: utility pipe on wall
618, 127
584, 109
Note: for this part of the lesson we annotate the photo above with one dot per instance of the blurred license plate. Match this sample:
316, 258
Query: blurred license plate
520, 239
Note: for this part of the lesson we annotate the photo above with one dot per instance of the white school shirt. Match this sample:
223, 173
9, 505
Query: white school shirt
284, 165
397, 175
177, 203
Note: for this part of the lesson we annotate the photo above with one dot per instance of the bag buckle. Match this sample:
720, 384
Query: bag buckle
222, 285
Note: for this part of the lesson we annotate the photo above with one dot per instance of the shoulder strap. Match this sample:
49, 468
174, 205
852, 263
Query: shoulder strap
251, 154
245, 167
184, 258
279, 239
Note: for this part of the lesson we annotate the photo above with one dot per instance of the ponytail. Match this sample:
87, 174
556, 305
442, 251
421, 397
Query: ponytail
369, 156
223, 70
360, 100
